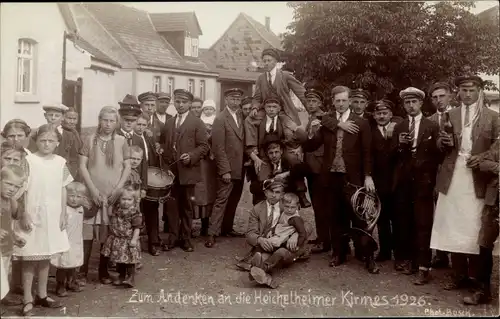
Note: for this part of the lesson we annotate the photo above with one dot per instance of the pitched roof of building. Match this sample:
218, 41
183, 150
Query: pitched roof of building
489, 12
225, 74
96, 53
176, 21
268, 35
134, 31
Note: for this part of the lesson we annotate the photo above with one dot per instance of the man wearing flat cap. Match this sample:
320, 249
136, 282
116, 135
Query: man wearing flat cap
185, 143
228, 148
416, 162
277, 83
359, 101
441, 95
383, 171
70, 139
160, 116
314, 106
460, 183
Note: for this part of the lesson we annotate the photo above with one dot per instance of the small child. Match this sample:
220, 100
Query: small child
68, 262
12, 179
289, 223
135, 178
122, 245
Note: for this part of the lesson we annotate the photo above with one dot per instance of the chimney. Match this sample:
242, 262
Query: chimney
268, 23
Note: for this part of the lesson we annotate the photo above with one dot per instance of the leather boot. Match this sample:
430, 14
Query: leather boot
482, 295
262, 277
371, 265
129, 281
423, 277
304, 202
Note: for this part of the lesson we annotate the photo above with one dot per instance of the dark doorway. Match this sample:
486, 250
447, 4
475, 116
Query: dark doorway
72, 97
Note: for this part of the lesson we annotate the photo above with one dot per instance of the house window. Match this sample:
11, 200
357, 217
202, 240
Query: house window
191, 86
187, 46
156, 84
171, 86
26, 66
202, 89
194, 47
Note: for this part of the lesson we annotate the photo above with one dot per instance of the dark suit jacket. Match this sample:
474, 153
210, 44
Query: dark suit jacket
426, 158
484, 134
356, 148
283, 83
228, 144
383, 161
191, 138
157, 126
314, 159
68, 148
143, 170
489, 164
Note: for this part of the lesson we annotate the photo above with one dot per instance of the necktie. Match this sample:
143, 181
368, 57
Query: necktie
179, 118
384, 129
467, 116
270, 219
269, 79
272, 128
412, 133
441, 120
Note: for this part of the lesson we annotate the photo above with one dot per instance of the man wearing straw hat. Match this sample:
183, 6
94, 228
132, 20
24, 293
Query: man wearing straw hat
460, 183
416, 165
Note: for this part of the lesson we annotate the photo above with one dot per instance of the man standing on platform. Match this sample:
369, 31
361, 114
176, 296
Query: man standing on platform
228, 148
460, 183
185, 143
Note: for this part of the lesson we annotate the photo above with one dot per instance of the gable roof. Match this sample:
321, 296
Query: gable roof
133, 30
225, 74
176, 21
96, 53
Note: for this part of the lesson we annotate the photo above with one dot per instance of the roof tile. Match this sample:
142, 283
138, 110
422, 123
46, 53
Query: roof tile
176, 21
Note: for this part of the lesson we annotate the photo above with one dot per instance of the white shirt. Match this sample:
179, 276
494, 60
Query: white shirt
182, 116
439, 114
418, 118
344, 116
127, 135
161, 117
145, 146
276, 215
273, 75
60, 129
269, 121
276, 167
234, 115
472, 111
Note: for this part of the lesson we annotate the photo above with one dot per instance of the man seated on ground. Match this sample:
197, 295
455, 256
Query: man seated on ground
278, 166
262, 224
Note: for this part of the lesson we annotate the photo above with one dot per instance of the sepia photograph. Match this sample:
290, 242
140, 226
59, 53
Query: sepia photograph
287, 159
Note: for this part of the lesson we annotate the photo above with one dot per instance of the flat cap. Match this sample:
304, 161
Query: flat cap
55, 107
440, 85
182, 93
272, 183
147, 96
470, 80
314, 93
163, 96
272, 99
412, 92
360, 93
383, 105
246, 100
233, 92
271, 52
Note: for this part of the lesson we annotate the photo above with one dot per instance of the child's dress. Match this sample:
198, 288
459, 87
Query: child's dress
72, 258
122, 223
48, 176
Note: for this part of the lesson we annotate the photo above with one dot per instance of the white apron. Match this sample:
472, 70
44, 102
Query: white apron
458, 214
74, 256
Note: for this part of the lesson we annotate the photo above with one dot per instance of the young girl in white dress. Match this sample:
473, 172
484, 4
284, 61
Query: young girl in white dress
43, 224
68, 262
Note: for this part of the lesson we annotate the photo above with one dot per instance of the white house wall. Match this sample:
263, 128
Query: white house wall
124, 84
43, 23
98, 91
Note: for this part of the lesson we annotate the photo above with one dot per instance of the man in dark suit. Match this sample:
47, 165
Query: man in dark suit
228, 149
460, 183
359, 102
160, 116
314, 161
184, 143
70, 143
346, 166
441, 95
417, 159
383, 171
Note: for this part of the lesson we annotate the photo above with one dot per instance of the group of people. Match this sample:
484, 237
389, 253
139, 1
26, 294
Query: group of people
436, 180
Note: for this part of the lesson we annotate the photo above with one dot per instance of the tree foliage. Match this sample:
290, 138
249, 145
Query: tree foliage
387, 46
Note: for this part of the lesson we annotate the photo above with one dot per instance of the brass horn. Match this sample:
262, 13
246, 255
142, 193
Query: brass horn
366, 206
